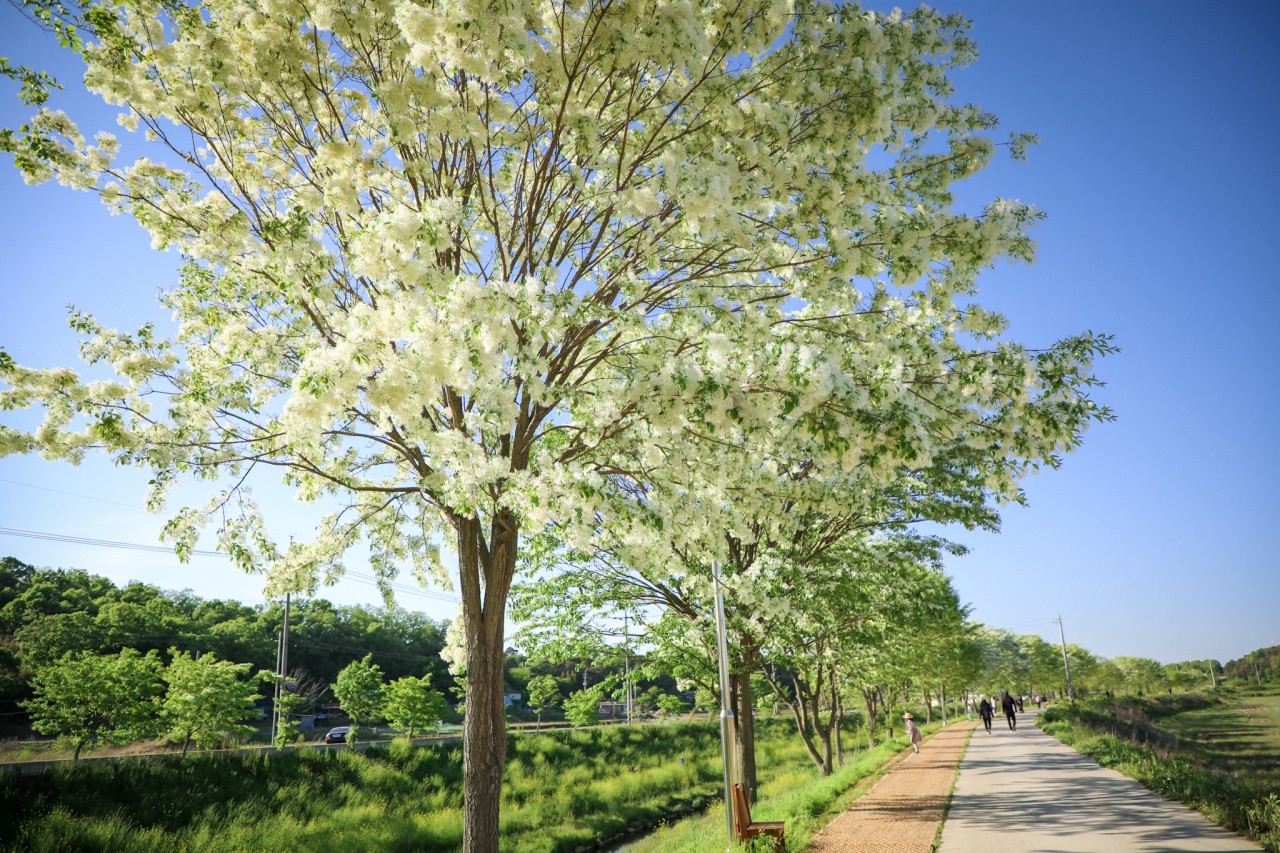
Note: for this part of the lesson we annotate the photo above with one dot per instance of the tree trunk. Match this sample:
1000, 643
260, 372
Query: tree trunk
826, 728
799, 711
485, 574
870, 697
823, 734
839, 717
745, 759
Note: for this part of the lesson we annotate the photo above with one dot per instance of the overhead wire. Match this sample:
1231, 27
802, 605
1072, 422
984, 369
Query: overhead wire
72, 494
357, 577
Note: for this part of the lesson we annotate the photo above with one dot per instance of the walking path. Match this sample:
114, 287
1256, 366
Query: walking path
902, 812
1025, 792
1016, 792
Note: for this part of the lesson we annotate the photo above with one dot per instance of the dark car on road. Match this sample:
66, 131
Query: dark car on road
339, 734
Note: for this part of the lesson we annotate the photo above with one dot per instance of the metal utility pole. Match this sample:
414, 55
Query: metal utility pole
726, 712
284, 646
626, 639
1066, 665
282, 670
275, 696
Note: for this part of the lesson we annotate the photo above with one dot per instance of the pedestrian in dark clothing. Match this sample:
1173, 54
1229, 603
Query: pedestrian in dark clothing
985, 711
1010, 709
1020, 703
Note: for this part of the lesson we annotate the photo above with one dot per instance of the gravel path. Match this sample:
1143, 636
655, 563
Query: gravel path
901, 813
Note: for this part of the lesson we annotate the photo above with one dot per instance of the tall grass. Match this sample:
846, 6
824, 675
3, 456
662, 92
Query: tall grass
561, 790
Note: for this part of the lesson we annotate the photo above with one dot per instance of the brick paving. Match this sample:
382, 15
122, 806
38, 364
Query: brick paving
902, 812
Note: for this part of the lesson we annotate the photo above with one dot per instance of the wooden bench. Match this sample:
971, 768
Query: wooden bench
746, 829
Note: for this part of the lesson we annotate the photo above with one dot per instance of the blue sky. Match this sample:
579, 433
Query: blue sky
1157, 124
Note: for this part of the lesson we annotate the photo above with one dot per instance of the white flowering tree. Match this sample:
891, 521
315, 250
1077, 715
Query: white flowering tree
445, 260
771, 504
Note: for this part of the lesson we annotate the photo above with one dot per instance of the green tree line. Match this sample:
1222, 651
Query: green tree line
47, 613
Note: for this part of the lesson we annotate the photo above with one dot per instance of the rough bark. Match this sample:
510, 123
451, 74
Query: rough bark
745, 744
485, 571
839, 717
869, 696
824, 729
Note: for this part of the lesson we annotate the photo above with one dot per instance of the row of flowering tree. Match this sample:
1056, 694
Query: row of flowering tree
666, 280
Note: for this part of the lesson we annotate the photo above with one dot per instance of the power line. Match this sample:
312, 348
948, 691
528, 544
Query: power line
401, 587
356, 577
99, 543
72, 494
105, 543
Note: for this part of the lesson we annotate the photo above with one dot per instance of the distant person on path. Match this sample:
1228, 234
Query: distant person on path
913, 731
1010, 709
985, 711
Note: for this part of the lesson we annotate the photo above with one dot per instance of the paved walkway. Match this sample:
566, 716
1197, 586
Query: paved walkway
1025, 792
1017, 792
901, 813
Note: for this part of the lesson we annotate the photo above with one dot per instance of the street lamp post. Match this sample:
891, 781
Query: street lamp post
726, 711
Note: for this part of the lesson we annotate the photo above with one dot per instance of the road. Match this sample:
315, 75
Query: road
1024, 792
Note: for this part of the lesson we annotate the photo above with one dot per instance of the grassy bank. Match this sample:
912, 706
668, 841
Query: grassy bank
562, 791
802, 798
1215, 754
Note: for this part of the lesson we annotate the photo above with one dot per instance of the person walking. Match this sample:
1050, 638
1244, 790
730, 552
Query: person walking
913, 731
985, 711
1010, 709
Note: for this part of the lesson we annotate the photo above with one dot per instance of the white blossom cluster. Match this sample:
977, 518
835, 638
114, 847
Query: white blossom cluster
656, 276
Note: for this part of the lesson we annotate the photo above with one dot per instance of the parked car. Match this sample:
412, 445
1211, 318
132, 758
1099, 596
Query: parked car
339, 734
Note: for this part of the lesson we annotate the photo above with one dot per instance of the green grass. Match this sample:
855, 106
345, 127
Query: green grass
802, 798
1216, 754
1239, 737
561, 790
